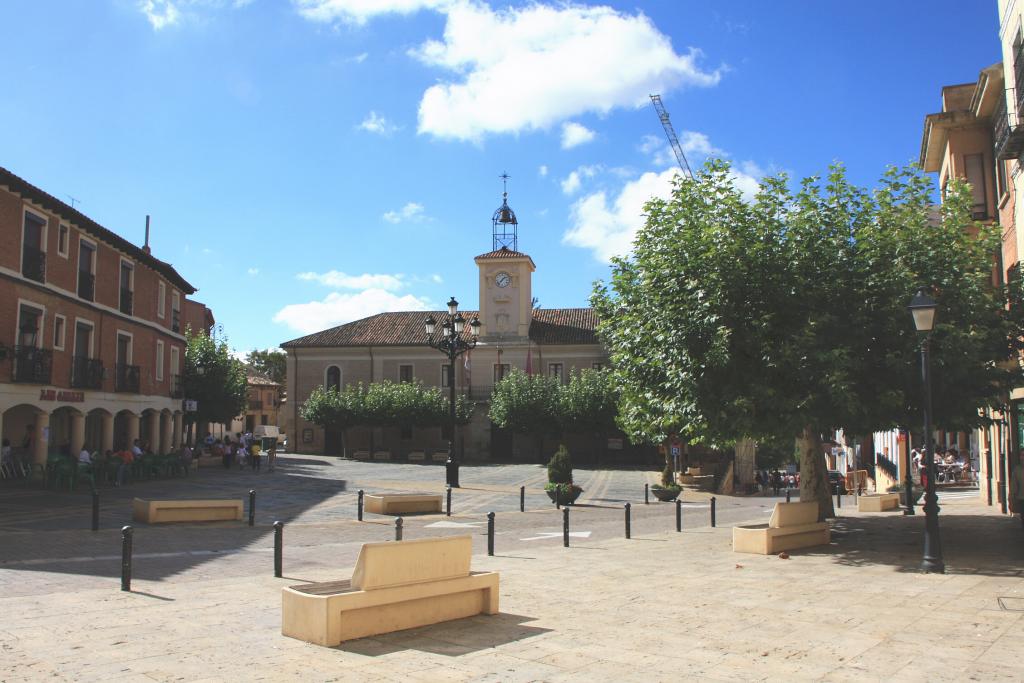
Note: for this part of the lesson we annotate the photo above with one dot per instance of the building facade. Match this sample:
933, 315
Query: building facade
263, 404
92, 339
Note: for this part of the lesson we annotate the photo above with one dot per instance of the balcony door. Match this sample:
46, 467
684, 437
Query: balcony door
83, 340
127, 280
86, 274
86, 372
33, 260
32, 363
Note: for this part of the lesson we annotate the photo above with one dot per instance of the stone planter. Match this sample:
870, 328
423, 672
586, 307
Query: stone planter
666, 494
567, 494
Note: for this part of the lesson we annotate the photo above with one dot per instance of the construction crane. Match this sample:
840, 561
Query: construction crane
671, 134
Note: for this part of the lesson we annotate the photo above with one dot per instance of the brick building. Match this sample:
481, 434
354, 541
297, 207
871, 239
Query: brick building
91, 331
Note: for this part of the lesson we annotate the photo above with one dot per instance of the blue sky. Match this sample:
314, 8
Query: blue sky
309, 162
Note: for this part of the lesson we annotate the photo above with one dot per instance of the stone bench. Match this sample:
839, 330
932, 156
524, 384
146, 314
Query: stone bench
160, 511
394, 586
791, 526
440, 456
878, 502
417, 456
401, 503
382, 455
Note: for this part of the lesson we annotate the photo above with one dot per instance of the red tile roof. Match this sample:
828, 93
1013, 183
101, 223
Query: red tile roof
549, 326
505, 252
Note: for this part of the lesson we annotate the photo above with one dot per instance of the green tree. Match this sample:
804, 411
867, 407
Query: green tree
588, 404
269, 363
527, 404
786, 314
334, 409
213, 378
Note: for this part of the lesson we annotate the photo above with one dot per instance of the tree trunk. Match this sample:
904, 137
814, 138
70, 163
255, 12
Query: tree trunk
813, 475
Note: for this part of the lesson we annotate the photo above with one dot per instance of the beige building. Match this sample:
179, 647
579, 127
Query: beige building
263, 405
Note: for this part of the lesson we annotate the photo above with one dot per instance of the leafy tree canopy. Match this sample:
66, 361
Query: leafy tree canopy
213, 378
269, 363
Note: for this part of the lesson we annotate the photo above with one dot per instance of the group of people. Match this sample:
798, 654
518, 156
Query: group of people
776, 480
950, 466
243, 450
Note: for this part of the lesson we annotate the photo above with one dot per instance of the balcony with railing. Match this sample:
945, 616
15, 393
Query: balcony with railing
32, 365
1007, 134
126, 378
86, 373
126, 301
86, 285
33, 263
177, 387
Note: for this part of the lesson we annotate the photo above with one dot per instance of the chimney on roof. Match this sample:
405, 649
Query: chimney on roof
145, 247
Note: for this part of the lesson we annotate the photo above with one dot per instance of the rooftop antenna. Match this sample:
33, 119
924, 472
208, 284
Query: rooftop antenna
670, 133
504, 226
74, 200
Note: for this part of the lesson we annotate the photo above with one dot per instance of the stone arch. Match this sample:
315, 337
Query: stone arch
332, 377
126, 429
99, 430
22, 426
67, 431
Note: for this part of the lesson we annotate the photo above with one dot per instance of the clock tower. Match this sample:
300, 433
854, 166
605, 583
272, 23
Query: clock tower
506, 300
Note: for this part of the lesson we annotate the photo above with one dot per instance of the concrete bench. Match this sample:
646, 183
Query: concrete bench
159, 511
394, 586
361, 455
878, 502
791, 526
382, 455
440, 456
401, 503
417, 456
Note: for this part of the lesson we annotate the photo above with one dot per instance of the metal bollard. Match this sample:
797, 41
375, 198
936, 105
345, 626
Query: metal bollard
490, 533
252, 506
278, 547
627, 507
713, 501
448, 504
522, 499
95, 510
558, 494
647, 496
679, 515
398, 528
126, 558
359, 506
839, 496
787, 495
565, 527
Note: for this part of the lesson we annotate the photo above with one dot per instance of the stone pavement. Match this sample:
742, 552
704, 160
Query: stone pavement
661, 606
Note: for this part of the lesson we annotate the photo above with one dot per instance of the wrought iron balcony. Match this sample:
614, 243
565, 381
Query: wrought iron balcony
86, 285
86, 373
1007, 134
177, 388
126, 378
33, 263
126, 301
32, 365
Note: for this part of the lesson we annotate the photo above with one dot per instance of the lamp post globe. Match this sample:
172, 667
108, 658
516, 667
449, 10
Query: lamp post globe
923, 308
452, 344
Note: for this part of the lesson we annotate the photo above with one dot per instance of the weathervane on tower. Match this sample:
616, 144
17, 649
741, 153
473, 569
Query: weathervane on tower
504, 226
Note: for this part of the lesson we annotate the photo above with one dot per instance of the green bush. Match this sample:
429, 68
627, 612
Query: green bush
560, 467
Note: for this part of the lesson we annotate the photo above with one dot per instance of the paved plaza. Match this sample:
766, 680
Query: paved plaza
660, 606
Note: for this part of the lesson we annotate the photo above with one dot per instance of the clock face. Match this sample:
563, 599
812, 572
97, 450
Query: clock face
503, 279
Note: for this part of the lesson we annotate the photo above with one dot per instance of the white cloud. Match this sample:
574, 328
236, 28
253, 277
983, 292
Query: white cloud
160, 13
337, 308
377, 124
574, 180
359, 11
698, 144
542, 171
359, 58
608, 226
340, 280
531, 67
410, 213
253, 271
575, 134
436, 279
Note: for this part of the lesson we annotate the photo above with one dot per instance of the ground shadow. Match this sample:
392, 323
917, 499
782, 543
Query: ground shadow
450, 638
986, 545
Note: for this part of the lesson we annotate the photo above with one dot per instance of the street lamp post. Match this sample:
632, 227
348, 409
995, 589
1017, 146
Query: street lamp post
451, 343
923, 308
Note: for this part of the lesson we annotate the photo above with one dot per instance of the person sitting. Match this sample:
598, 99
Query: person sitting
84, 457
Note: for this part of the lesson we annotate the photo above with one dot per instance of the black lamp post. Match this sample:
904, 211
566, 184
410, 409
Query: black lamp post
451, 343
923, 309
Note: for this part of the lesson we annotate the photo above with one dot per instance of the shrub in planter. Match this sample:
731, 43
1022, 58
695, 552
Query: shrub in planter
669, 489
560, 484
